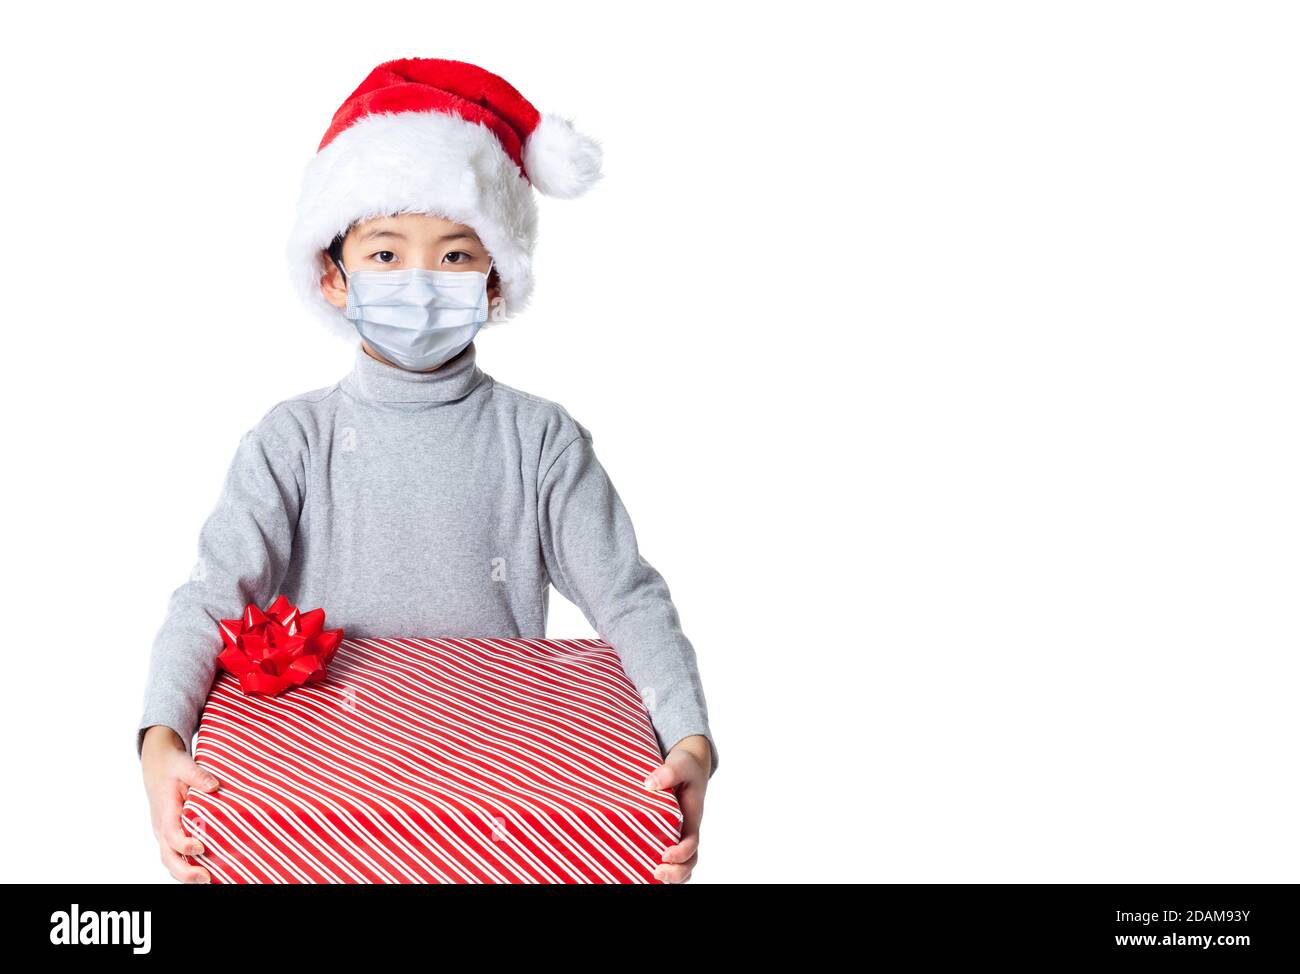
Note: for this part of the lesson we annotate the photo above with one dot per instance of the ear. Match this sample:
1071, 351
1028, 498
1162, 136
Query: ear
331, 282
495, 297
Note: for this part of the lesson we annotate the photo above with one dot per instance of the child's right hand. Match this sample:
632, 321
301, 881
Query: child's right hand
169, 774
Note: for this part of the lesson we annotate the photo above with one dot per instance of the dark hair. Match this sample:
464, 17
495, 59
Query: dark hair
336, 255
336, 249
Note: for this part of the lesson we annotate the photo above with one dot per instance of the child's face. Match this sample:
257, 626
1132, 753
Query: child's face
407, 240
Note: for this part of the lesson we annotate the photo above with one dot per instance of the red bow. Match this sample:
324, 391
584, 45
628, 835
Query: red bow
274, 650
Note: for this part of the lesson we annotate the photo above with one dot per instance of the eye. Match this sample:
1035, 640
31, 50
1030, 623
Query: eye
458, 257
381, 253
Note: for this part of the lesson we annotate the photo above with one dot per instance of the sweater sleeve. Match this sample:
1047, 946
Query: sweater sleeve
591, 553
243, 554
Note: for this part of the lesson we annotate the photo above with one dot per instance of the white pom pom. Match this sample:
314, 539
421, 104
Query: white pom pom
560, 161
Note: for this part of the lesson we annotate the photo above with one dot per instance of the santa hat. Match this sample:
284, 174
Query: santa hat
425, 135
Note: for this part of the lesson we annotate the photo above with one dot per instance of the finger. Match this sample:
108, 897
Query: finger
191, 775
173, 836
667, 775
682, 850
199, 777
182, 870
690, 798
675, 872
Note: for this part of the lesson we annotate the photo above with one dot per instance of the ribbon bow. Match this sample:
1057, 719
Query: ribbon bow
273, 650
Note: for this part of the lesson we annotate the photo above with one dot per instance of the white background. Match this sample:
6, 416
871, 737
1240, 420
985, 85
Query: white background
944, 355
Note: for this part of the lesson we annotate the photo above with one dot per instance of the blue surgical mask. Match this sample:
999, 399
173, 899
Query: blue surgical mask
417, 318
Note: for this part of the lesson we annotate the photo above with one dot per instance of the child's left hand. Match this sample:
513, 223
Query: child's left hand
686, 768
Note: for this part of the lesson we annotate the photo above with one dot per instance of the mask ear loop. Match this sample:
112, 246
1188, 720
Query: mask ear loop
339, 265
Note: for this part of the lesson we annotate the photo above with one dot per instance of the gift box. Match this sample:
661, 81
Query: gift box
435, 761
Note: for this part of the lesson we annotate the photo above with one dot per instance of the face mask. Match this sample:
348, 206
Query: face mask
417, 318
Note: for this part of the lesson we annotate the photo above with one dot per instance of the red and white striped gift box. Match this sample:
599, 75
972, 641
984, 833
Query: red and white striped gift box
435, 761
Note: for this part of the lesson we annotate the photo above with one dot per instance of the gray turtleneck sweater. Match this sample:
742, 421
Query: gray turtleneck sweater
436, 503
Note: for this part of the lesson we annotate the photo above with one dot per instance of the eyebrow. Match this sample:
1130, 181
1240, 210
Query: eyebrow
371, 235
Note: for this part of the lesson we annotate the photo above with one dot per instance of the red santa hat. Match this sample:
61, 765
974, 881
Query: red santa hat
425, 135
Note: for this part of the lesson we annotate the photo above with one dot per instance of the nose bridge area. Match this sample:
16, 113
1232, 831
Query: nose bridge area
423, 253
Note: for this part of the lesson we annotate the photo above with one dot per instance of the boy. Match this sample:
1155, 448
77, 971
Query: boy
418, 496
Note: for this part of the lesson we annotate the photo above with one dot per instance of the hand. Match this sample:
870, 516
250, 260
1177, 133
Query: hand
169, 774
686, 768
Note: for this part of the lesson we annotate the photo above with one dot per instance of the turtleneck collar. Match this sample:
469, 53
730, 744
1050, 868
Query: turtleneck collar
376, 382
